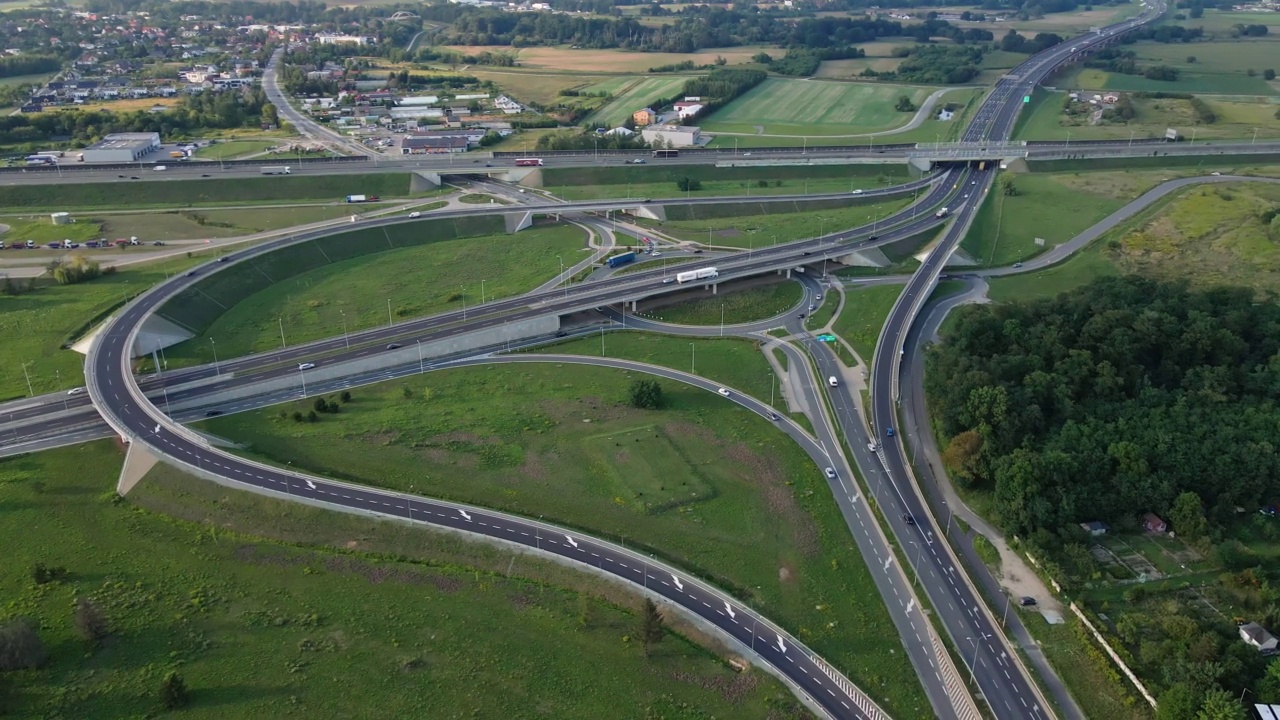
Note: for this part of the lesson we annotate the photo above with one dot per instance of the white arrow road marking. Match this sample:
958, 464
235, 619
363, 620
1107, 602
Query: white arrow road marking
781, 646
157, 430
887, 563
571, 541
311, 485
676, 580
729, 610
465, 516
854, 497
911, 604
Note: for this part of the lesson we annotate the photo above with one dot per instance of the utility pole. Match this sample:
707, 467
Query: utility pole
280, 320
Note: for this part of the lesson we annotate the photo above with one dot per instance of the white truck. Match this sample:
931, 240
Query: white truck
276, 170
941, 213
699, 274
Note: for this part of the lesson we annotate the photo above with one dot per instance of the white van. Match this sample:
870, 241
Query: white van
161, 168
833, 382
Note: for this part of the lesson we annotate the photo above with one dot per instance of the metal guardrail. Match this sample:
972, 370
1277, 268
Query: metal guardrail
80, 167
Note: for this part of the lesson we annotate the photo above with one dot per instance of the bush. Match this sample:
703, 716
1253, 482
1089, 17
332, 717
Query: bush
645, 394
689, 184
90, 621
297, 416
173, 692
312, 417
43, 574
345, 396
321, 405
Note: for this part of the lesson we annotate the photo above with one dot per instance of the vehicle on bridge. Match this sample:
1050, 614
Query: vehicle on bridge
699, 274
666, 153
528, 162
620, 260
276, 170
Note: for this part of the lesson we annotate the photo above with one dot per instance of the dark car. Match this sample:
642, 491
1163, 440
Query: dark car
158, 243
393, 346
212, 413
224, 258
774, 416
800, 316
697, 251
908, 519
189, 273
1026, 601
806, 252
133, 177
874, 237
206, 176
889, 432
561, 333
120, 176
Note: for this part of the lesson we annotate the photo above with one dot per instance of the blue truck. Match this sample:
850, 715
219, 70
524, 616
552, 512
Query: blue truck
620, 260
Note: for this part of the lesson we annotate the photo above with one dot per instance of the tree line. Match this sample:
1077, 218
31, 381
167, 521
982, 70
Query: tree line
18, 65
1111, 401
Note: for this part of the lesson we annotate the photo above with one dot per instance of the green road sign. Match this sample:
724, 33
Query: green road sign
1026, 98
827, 338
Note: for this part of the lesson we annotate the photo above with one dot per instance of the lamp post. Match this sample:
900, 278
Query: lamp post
973, 666
482, 292
345, 338
280, 322
693, 359
389, 320
421, 369
463, 291
216, 370
562, 280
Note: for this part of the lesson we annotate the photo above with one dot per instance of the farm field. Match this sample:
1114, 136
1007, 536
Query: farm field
1237, 118
609, 61
807, 107
416, 281
1220, 68
636, 95
1006, 227
1065, 24
534, 86
734, 306
1221, 22
119, 106
263, 607
513, 437
748, 229
879, 57
36, 325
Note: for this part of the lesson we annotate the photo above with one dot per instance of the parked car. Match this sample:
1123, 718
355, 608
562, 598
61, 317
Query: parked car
1026, 601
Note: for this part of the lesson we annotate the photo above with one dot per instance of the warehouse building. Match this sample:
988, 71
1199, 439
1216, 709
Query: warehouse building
674, 136
122, 147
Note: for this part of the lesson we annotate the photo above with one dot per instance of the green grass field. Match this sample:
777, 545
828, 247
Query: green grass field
1237, 118
762, 525
421, 280
1006, 228
1220, 22
752, 229
260, 628
1220, 68
738, 305
809, 107
636, 96
186, 193
36, 325
659, 181
865, 310
233, 149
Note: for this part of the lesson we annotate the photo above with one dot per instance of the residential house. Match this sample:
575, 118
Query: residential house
687, 109
1257, 636
1152, 523
1095, 528
506, 105
644, 117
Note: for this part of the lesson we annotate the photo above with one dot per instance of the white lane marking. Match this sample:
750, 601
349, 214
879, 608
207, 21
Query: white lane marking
781, 646
676, 580
465, 516
311, 485
571, 541
729, 610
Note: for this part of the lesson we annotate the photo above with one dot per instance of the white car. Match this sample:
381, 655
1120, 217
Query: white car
723, 391
831, 473
871, 446
857, 192
306, 366
818, 298
76, 391
415, 214
657, 254
668, 281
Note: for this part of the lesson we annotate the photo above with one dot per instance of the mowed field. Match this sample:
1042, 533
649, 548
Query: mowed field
635, 94
879, 58
609, 61
810, 107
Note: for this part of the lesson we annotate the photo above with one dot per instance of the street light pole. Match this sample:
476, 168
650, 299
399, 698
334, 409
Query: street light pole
345, 338
721, 319
421, 369
280, 321
389, 320
216, 370
464, 301
482, 292
303, 374
693, 359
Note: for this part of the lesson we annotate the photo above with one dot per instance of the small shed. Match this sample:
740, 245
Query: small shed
1152, 523
1095, 528
1257, 636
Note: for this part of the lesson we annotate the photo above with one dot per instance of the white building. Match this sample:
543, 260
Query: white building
334, 39
122, 147
676, 136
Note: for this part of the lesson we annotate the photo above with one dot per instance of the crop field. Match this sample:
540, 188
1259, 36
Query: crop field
1220, 68
1065, 24
1006, 227
152, 193
36, 325
528, 438
808, 107
731, 306
1221, 22
120, 106
1237, 118
879, 57
435, 275
635, 96
772, 224
864, 313
535, 86
263, 607
625, 62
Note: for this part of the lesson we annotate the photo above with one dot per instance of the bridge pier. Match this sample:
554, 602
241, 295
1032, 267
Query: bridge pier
652, 212
422, 181
515, 222
138, 461
917, 167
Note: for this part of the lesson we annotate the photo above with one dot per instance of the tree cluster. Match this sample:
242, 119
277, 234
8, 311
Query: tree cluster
645, 394
16, 65
76, 269
937, 64
1111, 401
1013, 42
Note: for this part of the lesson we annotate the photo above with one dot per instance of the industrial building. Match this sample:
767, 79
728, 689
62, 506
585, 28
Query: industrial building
676, 136
122, 147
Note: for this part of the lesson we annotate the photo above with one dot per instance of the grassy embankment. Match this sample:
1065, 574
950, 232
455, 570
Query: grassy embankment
762, 225
523, 438
656, 180
314, 288
732, 306
268, 608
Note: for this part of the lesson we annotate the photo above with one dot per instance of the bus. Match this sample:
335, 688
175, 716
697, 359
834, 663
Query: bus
33, 160
529, 162
666, 153
52, 153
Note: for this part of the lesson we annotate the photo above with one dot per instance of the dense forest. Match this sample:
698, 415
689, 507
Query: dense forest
1111, 401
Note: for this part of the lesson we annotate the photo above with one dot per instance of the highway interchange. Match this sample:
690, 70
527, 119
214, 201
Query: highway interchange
1001, 680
